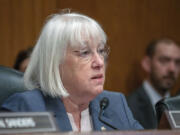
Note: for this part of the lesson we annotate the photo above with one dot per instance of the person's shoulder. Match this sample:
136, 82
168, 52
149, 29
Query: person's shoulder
137, 97
136, 93
111, 95
29, 93
24, 101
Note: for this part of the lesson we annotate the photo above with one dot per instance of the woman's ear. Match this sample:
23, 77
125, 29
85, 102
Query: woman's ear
146, 64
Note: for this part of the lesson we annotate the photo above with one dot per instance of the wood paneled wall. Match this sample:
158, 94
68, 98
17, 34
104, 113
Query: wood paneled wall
129, 24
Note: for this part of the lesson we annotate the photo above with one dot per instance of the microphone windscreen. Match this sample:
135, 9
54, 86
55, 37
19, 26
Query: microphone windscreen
104, 103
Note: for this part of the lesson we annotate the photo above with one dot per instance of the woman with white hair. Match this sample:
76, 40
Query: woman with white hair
66, 76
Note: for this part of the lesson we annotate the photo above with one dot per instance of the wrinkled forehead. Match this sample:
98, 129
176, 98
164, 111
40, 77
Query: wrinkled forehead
169, 50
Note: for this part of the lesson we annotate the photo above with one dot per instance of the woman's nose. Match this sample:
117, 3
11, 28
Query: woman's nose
98, 61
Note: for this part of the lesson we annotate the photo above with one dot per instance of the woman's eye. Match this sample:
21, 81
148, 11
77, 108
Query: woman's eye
101, 51
84, 53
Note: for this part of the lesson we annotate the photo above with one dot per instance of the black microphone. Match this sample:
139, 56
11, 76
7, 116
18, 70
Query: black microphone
103, 105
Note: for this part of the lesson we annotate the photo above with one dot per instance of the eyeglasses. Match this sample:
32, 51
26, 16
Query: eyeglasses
87, 54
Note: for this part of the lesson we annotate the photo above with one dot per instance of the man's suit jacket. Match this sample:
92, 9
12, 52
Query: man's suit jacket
142, 109
117, 114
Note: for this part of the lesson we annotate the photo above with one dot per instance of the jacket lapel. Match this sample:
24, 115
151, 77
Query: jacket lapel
55, 105
108, 118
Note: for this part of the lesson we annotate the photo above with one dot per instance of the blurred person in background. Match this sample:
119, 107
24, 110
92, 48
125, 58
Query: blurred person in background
22, 59
162, 65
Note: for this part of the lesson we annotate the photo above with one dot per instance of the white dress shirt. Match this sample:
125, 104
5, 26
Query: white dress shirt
86, 122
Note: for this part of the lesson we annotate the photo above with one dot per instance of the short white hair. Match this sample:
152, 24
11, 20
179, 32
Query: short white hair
60, 31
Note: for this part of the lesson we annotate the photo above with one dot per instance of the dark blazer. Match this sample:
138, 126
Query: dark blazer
117, 113
142, 109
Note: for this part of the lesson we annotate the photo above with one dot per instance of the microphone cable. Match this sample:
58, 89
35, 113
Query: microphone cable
103, 105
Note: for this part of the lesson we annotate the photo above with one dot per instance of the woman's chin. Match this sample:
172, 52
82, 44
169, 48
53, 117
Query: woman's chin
98, 91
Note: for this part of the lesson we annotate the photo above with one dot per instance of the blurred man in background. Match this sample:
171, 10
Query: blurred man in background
162, 65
